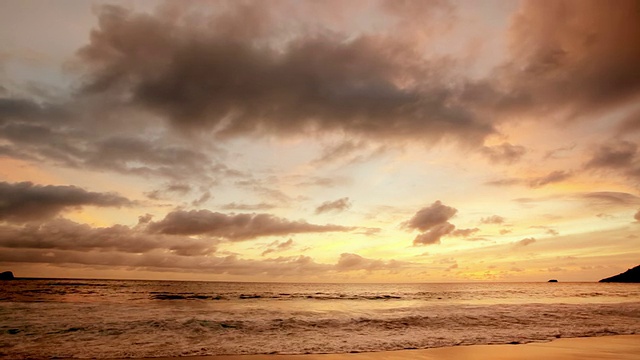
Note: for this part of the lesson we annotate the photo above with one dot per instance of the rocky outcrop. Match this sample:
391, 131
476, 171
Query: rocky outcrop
7, 275
553, 280
629, 276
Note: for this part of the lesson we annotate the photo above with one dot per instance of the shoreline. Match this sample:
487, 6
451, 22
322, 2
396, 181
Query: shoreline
613, 347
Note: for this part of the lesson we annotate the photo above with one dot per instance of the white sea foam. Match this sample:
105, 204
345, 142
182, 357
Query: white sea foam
106, 319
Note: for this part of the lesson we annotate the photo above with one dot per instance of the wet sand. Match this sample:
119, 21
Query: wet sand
619, 347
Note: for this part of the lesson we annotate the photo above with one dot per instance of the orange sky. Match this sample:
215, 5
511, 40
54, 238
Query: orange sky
363, 141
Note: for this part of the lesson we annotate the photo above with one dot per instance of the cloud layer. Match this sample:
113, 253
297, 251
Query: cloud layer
236, 82
26, 201
235, 227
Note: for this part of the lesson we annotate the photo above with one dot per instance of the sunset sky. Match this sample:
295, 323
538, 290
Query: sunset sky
323, 141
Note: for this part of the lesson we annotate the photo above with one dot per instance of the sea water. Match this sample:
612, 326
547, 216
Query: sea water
48, 318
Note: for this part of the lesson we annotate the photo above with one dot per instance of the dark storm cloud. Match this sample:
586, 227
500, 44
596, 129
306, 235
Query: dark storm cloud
25, 201
236, 84
64, 234
349, 262
430, 216
339, 205
504, 153
580, 56
234, 227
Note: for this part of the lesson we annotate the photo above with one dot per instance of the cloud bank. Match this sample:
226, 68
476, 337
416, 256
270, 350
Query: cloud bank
26, 201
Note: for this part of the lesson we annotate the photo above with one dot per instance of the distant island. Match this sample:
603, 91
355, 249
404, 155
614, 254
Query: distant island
6, 275
629, 276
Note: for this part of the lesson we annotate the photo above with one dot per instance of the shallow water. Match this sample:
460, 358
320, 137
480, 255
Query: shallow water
109, 318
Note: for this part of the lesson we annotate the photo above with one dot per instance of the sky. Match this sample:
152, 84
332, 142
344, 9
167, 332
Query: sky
320, 141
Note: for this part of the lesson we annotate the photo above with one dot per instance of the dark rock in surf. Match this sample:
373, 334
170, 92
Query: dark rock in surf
629, 276
7, 275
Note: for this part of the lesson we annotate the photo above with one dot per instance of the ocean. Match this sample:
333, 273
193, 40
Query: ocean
47, 318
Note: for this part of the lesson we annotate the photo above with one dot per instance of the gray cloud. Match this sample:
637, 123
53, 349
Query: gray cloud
631, 124
430, 216
322, 181
432, 221
12, 108
64, 234
220, 80
277, 246
339, 205
206, 196
552, 177
504, 182
504, 153
579, 56
77, 143
172, 188
493, 219
144, 219
339, 151
610, 198
613, 155
433, 235
25, 201
547, 229
559, 153
234, 227
160, 260
349, 262
525, 242
464, 232
247, 207
535, 182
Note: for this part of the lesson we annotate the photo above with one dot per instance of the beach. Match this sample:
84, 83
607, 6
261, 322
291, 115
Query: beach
619, 347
